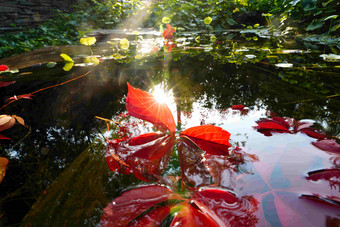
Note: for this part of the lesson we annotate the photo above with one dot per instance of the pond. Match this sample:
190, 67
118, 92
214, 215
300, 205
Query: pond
277, 95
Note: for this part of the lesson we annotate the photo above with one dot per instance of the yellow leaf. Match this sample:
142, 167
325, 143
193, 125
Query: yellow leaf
93, 60
88, 41
124, 44
166, 20
3, 167
66, 58
68, 66
207, 20
19, 119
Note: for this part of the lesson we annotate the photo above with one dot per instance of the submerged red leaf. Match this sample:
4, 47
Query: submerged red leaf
189, 216
225, 208
127, 207
143, 105
152, 218
210, 138
142, 159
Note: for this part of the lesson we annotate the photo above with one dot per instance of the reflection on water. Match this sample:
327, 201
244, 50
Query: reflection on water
60, 167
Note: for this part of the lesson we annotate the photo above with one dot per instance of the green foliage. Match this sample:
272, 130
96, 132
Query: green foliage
66, 28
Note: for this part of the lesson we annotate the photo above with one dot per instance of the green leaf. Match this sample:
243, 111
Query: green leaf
231, 21
66, 58
334, 28
51, 64
207, 20
331, 17
314, 25
213, 38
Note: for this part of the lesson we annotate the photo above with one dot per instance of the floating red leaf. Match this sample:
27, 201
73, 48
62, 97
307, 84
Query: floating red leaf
328, 145
127, 207
3, 68
143, 105
287, 125
210, 138
330, 175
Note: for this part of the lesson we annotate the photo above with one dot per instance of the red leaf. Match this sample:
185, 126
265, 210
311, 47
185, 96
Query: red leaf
332, 201
210, 138
152, 218
188, 216
328, 145
6, 122
2, 137
225, 208
3, 68
144, 138
194, 171
237, 107
154, 150
144, 160
125, 208
270, 124
4, 84
143, 105
312, 132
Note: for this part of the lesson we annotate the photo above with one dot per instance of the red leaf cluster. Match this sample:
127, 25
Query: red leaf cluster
169, 32
287, 125
150, 206
147, 155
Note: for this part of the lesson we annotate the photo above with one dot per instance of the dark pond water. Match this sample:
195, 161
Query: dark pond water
57, 173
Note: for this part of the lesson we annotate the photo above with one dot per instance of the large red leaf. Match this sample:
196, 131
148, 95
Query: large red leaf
125, 208
189, 216
225, 208
210, 138
143, 105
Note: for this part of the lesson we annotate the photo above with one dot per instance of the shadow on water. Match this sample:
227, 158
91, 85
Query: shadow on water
58, 174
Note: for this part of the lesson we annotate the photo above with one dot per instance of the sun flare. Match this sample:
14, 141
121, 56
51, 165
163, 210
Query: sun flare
161, 96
